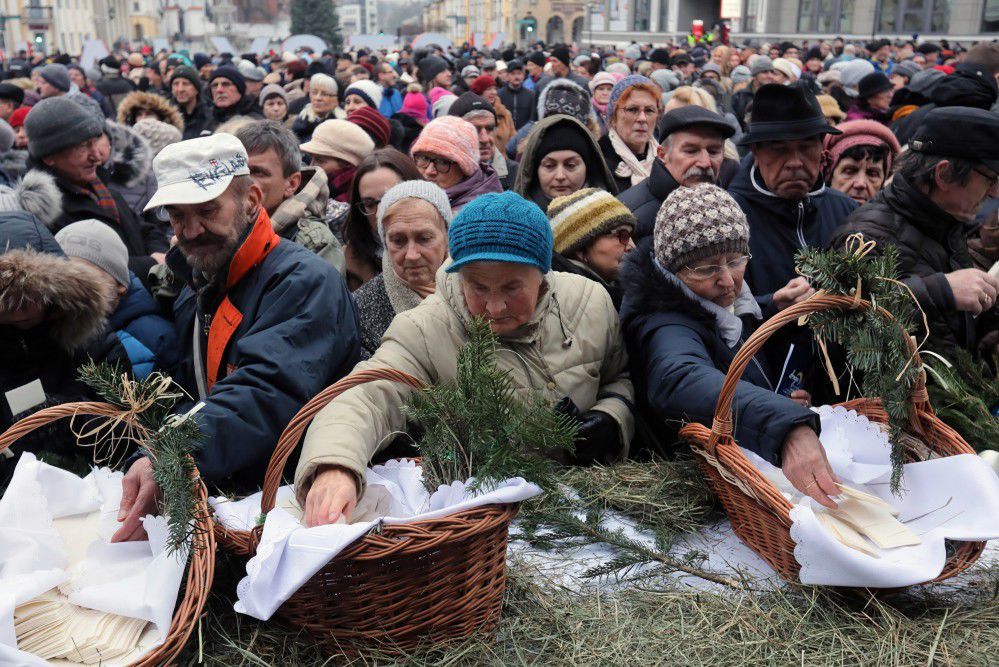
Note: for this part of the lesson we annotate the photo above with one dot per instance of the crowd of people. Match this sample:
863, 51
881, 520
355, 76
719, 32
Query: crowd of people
624, 219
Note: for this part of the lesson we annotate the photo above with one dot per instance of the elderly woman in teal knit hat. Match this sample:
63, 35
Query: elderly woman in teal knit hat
560, 332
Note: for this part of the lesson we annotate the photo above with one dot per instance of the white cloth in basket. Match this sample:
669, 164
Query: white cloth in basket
135, 579
954, 497
289, 553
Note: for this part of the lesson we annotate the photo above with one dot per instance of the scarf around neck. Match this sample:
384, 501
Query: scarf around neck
630, 166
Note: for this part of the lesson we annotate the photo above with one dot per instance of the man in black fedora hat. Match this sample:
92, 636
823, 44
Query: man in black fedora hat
939, 187
780, 188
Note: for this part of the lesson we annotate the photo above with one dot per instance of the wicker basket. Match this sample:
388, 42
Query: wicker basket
429, 581
201, 565
757, 510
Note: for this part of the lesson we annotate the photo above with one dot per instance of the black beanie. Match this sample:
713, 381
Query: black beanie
231, 73
469, 102
557, 139
189, 73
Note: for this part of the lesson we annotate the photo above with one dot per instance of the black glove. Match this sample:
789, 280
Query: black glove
599, 438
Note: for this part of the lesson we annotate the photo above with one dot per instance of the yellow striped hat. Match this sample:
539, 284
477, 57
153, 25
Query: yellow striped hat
579, 218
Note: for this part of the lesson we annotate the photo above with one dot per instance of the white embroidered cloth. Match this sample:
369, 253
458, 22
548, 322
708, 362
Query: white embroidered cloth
955, 498
135, 579
289, 553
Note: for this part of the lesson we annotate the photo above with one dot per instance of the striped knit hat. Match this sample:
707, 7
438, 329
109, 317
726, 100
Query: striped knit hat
698, 222
452, 138
581, 217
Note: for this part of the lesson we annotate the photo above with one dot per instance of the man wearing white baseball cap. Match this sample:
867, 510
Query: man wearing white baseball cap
264, 324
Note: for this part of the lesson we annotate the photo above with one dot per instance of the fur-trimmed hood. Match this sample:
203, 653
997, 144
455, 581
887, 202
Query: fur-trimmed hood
34, 270
131, 157
37, 194
165, 112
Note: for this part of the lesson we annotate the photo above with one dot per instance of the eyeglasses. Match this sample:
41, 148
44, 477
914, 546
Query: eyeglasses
368, 206
714, 270
441, 164
993, 179
635, 112
623, 234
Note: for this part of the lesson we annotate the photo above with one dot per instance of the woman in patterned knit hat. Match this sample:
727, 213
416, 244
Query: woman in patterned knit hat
686, 314
592, 232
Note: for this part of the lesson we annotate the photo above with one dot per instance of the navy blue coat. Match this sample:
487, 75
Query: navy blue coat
149, 338
679, 360
298, 334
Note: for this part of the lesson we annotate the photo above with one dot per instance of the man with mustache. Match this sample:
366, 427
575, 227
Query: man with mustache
692, 142
265, 324
940, 185
780, 188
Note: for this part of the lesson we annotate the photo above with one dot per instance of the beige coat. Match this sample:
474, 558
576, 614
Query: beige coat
572, 347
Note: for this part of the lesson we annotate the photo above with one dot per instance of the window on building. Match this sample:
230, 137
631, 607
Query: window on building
749, 16
923, 16
135, 7
825, 15
990, 16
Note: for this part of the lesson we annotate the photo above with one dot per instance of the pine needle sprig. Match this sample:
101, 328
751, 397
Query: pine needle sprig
479, 426
876, 346
964, 394
168, 441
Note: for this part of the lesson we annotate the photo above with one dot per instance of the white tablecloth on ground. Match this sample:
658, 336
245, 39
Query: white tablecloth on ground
136, 579
289, 553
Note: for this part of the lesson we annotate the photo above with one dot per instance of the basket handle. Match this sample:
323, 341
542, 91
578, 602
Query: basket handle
293, 432
53, 413
721, 427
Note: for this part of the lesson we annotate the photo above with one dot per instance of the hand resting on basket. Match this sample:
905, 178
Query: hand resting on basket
804, 463
333, 494
139, 496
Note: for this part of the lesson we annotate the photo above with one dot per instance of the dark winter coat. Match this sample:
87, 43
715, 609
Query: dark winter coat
246, 107
130, 169
409, 130
115, 89
968, 86
148, 338
298, 334
139, 236
931, 243
520, 104
33, 269
679, 356
196, 123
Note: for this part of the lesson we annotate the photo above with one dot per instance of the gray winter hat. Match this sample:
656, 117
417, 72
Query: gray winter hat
58, 76
740, 74
7, 136
58, 123
698, 222
97, 243
761, 64
425, 190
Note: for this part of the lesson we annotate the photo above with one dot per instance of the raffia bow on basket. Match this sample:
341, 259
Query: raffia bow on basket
434, 580
105, 419
759, 514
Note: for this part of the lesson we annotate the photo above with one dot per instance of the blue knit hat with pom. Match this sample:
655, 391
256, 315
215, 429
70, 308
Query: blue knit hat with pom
501, 227
623, 85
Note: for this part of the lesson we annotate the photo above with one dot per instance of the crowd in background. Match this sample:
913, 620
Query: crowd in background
259, 226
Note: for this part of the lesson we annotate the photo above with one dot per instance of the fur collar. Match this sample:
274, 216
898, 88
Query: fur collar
131, 158
77, 300
134, 102
38, 194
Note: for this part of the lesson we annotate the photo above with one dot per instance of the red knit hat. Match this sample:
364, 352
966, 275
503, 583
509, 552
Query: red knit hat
452, 138
858, 133
372, 122
482, 83
17, 118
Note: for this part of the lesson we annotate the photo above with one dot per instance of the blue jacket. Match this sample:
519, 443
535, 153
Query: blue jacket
297, 335
778, 228
679, 358
149, 338
391, 102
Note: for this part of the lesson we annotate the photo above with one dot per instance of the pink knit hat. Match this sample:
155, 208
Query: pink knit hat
858, 133
437, 92
452, 138
414, 105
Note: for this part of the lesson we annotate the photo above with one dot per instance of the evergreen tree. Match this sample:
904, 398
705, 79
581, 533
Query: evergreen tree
319, 18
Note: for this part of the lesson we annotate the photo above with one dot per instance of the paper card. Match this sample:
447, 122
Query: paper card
25, 397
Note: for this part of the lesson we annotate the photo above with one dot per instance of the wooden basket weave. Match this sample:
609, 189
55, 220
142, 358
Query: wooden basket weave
429, 581
758, 512
201, 563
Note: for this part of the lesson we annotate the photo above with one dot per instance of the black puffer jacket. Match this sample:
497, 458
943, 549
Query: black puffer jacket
969, 86
679, 357
246, 106
931, 243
